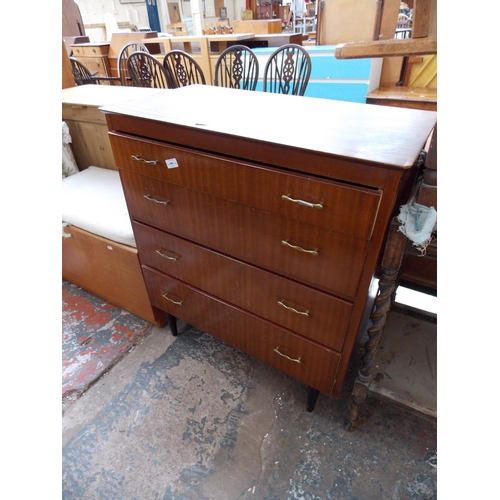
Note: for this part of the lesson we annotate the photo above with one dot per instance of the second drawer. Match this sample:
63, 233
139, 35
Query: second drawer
304, 310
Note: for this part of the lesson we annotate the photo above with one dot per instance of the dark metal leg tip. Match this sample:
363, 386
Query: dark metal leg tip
172, 323
312, 397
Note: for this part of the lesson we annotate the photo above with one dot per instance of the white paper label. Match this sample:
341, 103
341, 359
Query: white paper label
171, 163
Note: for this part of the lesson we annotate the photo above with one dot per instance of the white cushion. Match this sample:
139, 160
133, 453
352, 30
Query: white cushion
93, 200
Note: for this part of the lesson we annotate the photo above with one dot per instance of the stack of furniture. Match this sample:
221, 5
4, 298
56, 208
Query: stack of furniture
94, 56
98, 246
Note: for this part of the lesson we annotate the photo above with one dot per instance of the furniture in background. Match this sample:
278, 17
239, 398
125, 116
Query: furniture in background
287, 70
83, 76
146, 71
182, 69
209, 29
237, 67
119, 40
404, 97
177, 29
98, 249
222, 27
205, 49
93, 56
122, 68
69, 41
267, 240
258, 26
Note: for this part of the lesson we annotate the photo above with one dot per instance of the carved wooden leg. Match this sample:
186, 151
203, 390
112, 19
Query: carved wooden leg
391, 263
312, 397
172, 323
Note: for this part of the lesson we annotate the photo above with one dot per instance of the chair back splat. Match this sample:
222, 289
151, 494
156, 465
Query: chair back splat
125, 52
182, 69
287, 70
237, 67
146, 71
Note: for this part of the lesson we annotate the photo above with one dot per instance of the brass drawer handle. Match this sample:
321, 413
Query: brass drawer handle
165, 256
303, 313
150, 198
302, 203
276, 350
300, 249
177, 303
143, 160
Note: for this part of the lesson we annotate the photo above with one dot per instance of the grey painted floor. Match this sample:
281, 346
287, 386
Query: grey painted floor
191, 418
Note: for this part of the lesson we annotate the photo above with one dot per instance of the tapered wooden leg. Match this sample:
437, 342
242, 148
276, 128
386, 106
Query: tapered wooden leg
391, 263
172, 323
312, 397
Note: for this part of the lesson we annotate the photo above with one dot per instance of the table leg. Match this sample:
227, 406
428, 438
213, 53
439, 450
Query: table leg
391, 263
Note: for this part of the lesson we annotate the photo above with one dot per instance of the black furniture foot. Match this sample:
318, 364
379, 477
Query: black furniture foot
172, 323
312, 397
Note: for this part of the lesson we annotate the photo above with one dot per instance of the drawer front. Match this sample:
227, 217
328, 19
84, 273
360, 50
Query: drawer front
96, 64
90, 50
324, 259
332, 205
293, 355
306, 311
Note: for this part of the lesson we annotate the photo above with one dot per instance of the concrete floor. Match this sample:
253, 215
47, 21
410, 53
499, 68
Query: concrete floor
190, 418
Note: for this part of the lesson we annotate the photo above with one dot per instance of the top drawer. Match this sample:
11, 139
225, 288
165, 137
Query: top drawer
332, 205
90, 50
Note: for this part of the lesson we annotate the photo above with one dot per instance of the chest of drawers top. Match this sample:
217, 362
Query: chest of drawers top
363, 140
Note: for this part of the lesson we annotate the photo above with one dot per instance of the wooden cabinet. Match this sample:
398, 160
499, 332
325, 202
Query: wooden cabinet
94, 56
256, 235
87, 125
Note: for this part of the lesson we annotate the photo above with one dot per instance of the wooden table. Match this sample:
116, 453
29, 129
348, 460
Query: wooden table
405, 97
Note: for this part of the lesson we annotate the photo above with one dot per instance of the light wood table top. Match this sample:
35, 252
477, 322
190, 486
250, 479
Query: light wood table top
99, 95
405, 93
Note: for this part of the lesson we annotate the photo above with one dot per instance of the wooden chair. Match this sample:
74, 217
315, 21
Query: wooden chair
223, 28
83, 75
287, 70
123, 55
177, 29
237, 67
182, 69
146, 71
209, 29
247, 15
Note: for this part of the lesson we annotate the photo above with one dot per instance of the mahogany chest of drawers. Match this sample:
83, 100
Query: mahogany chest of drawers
256, 235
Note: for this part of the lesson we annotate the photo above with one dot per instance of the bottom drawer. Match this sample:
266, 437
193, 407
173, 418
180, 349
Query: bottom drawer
306, 361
